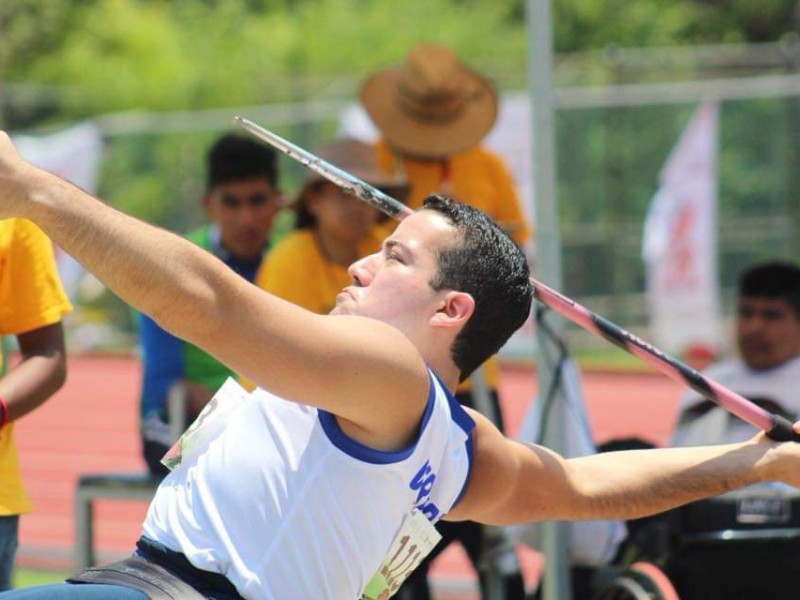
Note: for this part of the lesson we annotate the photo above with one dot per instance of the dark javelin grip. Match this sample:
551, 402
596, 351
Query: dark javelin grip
776, 427
734, 403
781, 430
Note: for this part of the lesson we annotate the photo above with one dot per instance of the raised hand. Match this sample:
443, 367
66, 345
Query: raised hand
782, 460
16, 179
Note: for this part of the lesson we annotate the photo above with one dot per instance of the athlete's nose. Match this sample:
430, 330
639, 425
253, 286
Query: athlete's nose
361, 271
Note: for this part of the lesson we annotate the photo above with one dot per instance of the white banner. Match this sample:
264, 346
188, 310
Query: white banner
679, 244
75, 155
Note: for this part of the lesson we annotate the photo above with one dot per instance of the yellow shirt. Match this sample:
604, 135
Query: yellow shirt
477, 177
296, 270
31, 297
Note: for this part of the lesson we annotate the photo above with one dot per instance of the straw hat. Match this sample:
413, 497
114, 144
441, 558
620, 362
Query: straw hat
357, 158
431, 105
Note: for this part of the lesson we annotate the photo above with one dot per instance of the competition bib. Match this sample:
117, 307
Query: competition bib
208, 425
414, 541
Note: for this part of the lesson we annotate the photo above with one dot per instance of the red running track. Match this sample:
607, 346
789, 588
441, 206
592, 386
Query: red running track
90, 426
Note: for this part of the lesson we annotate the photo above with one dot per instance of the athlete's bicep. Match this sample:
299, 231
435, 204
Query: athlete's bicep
357, 368
512, 482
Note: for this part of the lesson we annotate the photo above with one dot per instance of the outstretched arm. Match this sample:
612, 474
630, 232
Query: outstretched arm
513, 482
337, 363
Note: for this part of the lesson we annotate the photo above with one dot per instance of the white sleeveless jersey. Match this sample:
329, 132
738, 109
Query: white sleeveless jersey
286, 506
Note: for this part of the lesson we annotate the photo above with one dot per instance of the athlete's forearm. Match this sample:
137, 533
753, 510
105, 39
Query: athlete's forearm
633, 484
519, 483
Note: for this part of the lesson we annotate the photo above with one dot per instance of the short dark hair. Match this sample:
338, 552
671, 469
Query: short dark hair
235, 157
776, 280
489, 266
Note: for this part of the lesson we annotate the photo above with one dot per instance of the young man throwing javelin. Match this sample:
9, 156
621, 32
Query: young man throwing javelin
324, 482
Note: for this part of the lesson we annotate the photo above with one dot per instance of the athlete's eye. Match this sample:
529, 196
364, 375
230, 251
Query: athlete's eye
394, 252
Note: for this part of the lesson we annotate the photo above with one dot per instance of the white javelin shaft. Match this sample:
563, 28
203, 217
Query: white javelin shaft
371, 195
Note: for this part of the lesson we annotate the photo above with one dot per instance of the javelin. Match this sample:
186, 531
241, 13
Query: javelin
363, 191
776, 427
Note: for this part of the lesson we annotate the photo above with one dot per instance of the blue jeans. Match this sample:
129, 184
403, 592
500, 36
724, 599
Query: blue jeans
75, 591
9, 531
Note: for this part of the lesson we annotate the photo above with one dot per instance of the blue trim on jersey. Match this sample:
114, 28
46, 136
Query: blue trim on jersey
467, 423
364, 453
460, 416
469, 470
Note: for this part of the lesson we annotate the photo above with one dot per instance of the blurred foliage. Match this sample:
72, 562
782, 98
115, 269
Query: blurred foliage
112, 55
731, 21
134, 54
587, 24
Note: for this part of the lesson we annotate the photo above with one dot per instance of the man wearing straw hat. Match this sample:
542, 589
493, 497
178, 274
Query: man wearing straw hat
326, 481
432, 112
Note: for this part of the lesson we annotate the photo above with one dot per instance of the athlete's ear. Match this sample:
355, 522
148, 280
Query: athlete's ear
454, 310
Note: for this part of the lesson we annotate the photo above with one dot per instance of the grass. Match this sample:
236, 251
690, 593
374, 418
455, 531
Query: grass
29, 577
612, 359
597, 359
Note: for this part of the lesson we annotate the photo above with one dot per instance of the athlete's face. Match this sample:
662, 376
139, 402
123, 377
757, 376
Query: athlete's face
768, 332
393, 285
